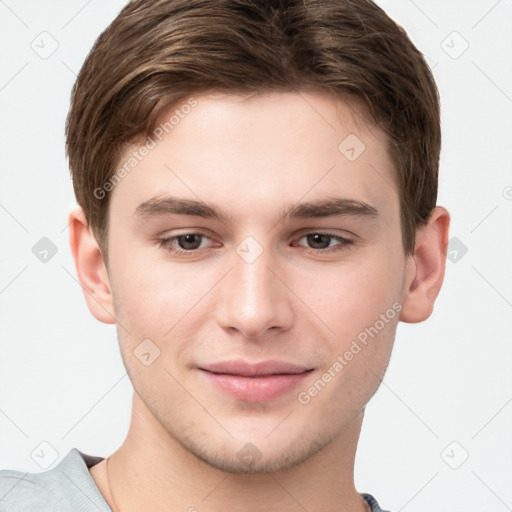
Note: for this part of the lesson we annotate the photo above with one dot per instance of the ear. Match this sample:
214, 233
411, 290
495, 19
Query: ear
425, 268
90, 268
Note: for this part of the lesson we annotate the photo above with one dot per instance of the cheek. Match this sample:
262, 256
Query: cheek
146, 296
353, 295
162, 303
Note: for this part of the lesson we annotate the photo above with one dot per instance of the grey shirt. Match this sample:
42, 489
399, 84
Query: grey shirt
68, 487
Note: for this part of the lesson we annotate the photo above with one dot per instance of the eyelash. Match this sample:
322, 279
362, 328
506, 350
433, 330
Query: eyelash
166, 243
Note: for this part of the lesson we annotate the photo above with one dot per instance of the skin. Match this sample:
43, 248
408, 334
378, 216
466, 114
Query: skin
297, 302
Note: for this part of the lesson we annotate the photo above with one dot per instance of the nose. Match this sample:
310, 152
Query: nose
253, 297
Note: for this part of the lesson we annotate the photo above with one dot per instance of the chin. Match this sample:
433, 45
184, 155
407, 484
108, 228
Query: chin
251, 460
262, 454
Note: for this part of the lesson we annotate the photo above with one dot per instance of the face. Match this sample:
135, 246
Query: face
257, 274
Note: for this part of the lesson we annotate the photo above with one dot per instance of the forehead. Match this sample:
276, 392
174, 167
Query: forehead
270, 149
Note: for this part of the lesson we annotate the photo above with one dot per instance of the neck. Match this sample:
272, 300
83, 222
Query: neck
152, 471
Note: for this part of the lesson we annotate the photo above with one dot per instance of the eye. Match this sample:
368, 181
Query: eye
323, 242
186, 243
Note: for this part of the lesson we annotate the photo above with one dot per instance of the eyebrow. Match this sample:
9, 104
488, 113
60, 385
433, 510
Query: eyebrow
329, 207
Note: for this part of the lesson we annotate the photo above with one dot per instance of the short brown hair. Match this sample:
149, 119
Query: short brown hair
157, 53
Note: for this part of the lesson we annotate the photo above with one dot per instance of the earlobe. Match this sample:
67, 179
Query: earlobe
426, 267
90, 268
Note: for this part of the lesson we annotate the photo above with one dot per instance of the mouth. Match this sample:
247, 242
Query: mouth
255, 382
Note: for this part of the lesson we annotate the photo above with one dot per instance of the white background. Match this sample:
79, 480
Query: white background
61, 376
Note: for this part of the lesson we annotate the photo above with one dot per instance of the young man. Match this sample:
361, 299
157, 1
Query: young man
257, 185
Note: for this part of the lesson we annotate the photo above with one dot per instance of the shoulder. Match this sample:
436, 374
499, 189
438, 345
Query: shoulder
67, 486
375, 507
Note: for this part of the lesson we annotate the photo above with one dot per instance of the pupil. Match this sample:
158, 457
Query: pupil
186, 240
318, 239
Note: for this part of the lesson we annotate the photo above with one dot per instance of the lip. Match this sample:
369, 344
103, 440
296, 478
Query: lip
255, 382
246, 369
